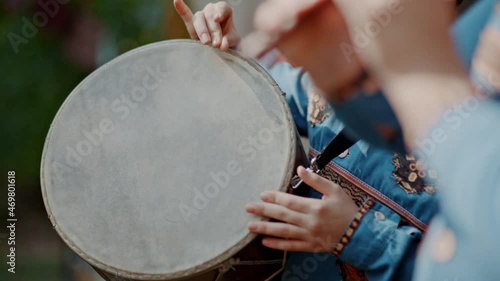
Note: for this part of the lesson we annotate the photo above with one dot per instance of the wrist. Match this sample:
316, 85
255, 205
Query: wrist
351, 228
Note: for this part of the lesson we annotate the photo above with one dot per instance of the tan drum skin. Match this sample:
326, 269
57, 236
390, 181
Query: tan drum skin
150, 161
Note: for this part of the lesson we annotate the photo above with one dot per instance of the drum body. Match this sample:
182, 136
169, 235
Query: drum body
150, 161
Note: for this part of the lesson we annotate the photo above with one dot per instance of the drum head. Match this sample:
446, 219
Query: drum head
151, 159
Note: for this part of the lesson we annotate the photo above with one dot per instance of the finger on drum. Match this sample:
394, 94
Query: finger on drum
278, 229
292, 202
215, 29
224, 45
288, 245
277, 212
200, 25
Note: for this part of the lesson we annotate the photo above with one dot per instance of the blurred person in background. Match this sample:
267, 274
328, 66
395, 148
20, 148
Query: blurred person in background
445, 116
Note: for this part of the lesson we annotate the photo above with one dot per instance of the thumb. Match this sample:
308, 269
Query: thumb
315, 181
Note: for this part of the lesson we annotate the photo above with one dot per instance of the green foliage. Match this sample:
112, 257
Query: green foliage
131, 23
35, 81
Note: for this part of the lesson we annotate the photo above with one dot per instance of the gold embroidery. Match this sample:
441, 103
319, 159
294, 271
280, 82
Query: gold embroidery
356, 194
318, 109
412, 176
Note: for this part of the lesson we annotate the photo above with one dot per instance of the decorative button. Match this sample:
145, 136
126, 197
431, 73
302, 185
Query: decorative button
379, 216
445, 246
344, 154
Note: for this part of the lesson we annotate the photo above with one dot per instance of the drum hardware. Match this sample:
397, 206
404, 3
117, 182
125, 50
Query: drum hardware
338, 145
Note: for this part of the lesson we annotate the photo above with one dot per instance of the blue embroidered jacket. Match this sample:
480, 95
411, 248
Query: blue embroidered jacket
385, 242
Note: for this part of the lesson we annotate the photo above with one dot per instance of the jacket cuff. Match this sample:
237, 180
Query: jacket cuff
367, 241
351, 229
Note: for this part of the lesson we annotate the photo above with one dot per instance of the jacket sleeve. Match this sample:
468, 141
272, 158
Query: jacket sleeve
380, 245
292, 83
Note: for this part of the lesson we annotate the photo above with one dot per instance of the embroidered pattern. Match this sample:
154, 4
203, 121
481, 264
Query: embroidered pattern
318, 109
412, 176
357, 195
375, 194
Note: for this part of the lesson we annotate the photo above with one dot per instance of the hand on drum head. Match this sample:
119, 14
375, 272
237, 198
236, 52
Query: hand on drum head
306, 224
213, 25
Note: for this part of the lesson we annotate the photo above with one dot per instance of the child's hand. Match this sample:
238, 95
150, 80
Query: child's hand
213, 25
306, 224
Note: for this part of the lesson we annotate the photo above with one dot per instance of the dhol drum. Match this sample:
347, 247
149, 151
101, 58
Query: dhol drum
150, 161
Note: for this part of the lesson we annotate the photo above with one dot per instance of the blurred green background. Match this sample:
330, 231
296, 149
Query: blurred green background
47, 48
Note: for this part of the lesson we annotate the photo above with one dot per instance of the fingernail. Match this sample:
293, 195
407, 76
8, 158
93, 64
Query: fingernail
215, 42
205, 39
266, 196
307, 170
250, 208
252, 226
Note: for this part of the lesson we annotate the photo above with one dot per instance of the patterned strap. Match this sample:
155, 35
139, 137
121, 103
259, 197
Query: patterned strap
338, 145
376, 195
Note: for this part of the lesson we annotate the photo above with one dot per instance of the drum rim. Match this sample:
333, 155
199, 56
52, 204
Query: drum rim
209, 264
